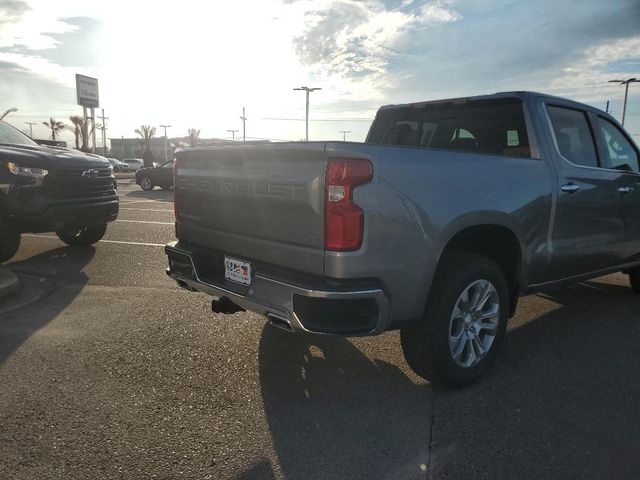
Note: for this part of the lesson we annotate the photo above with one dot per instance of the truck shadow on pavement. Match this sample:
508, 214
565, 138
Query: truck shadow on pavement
561, 400
64, 267
334, 413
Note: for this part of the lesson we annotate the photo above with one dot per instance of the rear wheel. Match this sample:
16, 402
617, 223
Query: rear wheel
464, 323
9, 240
83, 236
146, 183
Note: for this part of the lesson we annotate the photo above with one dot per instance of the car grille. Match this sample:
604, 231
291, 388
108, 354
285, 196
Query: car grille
79, 183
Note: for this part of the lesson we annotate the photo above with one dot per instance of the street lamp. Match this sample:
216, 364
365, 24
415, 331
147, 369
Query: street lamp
166, 156
626, 92
307, 90
14, 109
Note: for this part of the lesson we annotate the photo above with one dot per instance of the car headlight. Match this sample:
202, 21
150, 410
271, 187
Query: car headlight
26, 171
111, 169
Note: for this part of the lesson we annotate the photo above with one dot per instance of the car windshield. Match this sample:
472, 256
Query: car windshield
9, 134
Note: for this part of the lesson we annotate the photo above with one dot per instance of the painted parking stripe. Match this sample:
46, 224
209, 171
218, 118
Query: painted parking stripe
142, 201
145, 221
147, 210
120, 242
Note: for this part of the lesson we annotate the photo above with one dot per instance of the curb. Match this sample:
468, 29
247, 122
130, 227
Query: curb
9, 282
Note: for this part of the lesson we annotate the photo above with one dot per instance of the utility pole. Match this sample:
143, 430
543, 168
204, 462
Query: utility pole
307, 90
166, 155
104, 133
233, 134
31, 124
626, 92
344, 134
244, 121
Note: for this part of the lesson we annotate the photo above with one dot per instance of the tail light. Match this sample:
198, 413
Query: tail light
343, 219
175, 188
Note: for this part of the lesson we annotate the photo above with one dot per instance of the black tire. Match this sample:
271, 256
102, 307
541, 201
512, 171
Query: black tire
426, 344
82, 237
146, 183
634, 280
166, 188
9, 240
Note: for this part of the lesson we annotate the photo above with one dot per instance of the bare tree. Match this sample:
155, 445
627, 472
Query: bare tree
194, 136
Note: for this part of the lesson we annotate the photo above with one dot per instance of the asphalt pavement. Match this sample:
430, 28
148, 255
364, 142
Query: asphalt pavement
108, 370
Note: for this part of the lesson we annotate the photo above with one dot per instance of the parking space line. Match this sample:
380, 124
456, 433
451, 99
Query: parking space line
142, 201
147, 210
122, 242
145, 221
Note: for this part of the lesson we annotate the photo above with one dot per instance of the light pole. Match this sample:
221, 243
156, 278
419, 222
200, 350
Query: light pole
344, 134
244, 121
307, 90
166, 156
626, 92
7, 112
31, 124
233, 134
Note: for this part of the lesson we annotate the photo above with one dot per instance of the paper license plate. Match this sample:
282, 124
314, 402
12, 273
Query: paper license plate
237, 270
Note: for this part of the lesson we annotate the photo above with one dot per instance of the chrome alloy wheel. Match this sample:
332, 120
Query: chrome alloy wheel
146, 184
474, 323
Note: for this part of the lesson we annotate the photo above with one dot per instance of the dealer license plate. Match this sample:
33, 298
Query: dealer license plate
237, 270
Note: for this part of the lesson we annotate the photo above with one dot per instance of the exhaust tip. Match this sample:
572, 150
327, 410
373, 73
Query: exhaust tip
280, 322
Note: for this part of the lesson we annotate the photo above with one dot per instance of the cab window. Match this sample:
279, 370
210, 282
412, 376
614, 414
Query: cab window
617, 152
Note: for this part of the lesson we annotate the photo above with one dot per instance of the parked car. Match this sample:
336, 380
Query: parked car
158, 176
118, 166
134, 163
435, 225
52, 189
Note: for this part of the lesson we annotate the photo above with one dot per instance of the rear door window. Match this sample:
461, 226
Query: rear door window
495, 127
617, 152
573, 136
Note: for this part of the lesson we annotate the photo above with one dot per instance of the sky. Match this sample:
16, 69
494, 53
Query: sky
195, 64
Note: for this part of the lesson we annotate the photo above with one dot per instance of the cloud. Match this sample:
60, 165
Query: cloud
354, 38
12, 10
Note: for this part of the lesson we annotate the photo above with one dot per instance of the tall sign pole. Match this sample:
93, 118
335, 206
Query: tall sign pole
88, 97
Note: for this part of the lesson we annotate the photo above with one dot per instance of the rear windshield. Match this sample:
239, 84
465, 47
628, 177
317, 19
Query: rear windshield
494, 127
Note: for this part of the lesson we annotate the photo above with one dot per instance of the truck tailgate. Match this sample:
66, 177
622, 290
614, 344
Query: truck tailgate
256, 202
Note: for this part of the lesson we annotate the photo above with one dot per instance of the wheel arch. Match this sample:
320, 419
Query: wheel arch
498, 241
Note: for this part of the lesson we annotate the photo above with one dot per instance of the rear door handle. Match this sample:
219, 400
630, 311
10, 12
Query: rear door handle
625, 190
570, 188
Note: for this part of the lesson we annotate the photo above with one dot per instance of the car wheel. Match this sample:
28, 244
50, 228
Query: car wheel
146, 183
83, 236
464, 321
9, 240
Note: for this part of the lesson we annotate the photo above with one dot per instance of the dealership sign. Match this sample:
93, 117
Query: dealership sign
87, 91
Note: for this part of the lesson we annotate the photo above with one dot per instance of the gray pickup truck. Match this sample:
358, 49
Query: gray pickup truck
435, 225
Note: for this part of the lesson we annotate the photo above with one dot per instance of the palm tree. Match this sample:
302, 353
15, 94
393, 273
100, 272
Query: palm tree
193, 137
146, 133
78, 129
55, 127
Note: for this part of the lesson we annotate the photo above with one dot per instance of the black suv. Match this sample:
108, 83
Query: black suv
52, 189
